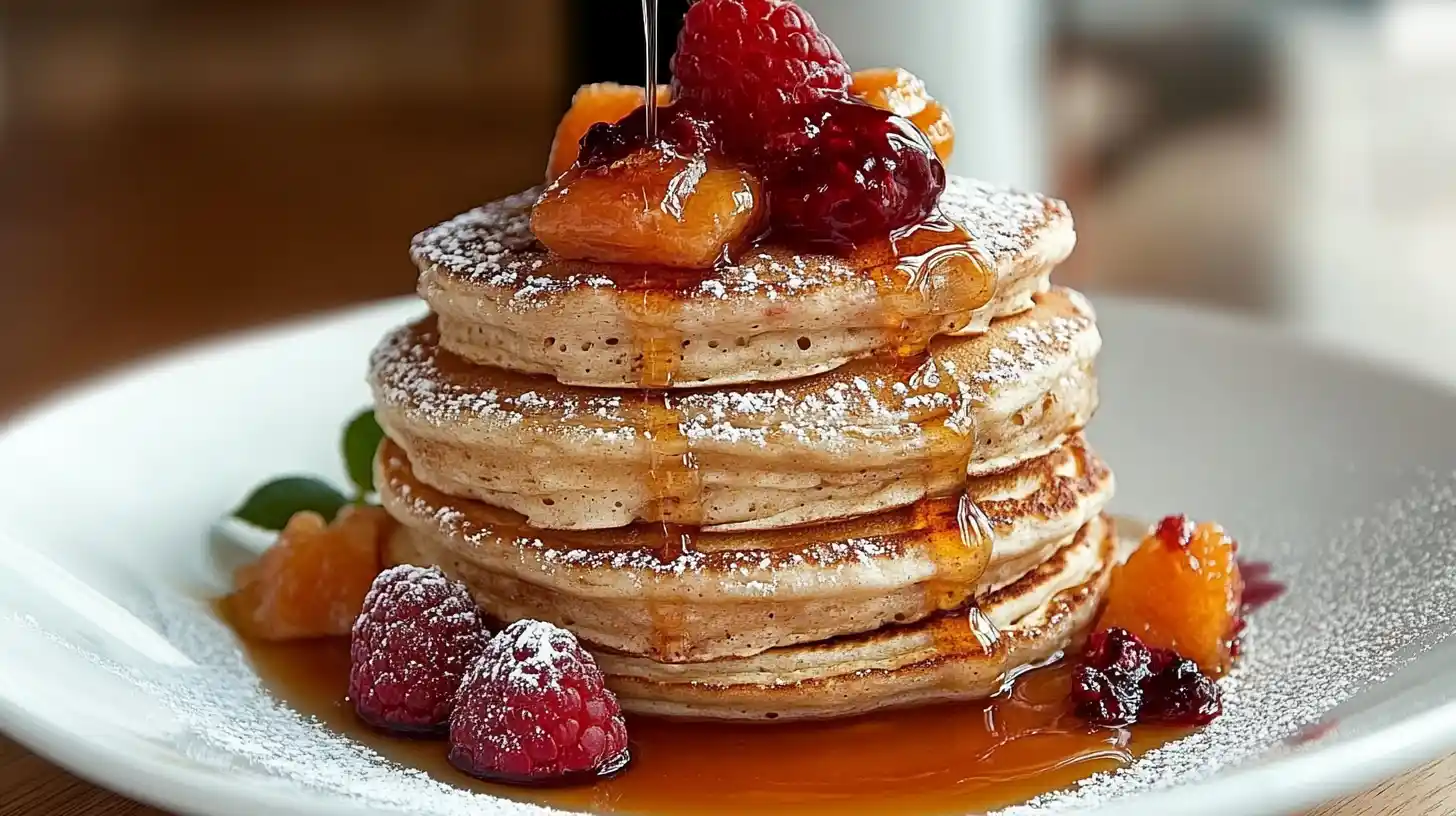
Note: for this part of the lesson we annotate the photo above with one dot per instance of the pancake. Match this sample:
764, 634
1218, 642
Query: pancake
504, 300
737, 594
869, 436
961, 655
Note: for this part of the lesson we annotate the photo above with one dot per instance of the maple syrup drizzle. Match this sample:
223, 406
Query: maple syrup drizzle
938, 272
676, 486
959, 538
931, 272
649, 36
674, 481
952, 758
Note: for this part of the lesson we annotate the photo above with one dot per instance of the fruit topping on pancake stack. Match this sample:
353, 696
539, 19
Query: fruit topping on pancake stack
783, 421
759, 415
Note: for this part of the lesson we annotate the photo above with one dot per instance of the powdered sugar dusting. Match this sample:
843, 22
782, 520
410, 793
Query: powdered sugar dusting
427, 589
413, 375
406, 597
1031, 346
866, 400
747, 572
492, 246
1003, 221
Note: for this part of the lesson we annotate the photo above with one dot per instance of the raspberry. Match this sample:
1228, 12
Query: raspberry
413, 642
1120, 681
534, 710
682, 129
749, 61
850, 173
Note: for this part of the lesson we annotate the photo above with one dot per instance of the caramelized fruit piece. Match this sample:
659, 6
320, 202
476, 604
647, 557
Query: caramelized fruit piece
682, 129
602, 102
936, 124
652, 207
1180, 591
903, 94
312, 582
893, 89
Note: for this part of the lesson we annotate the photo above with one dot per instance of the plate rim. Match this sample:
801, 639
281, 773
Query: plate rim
1303, 778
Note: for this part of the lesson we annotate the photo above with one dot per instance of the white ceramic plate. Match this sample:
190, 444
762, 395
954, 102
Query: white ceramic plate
1336, 471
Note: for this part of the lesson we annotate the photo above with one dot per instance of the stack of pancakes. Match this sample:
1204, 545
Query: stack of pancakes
793, 486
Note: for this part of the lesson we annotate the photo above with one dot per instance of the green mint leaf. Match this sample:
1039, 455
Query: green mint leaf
271, 505
361, 442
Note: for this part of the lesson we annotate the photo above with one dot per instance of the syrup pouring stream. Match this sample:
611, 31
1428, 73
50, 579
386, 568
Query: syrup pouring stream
649, 34
914, 299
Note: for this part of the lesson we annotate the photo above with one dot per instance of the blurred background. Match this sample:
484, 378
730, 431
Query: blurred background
171, 169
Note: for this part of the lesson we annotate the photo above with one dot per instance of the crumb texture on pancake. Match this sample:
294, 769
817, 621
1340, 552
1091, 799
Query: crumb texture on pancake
864, 438
492, 246
738, 593
773, 315
1044, 613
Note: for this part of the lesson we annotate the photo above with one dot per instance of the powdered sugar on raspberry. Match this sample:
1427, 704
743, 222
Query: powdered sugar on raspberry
543, 655
535, 707
421, 586
427, 588
412, 643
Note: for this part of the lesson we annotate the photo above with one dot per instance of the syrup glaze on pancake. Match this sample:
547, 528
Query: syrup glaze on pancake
965, 654
878, 381
770, 315
740, 593
872, 435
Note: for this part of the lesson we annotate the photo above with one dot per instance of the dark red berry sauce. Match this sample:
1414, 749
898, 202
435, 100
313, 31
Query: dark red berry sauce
1120, 681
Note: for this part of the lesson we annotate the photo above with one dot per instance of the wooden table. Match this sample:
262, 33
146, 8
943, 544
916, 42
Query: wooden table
170, 230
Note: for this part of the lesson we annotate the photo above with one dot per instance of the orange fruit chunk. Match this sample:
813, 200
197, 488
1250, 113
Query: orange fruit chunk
601, 102
650, 208
893, 89
312, 582
902, 93
1181, 590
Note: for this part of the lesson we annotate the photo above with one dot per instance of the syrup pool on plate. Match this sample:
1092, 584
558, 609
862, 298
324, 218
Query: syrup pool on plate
953, 758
